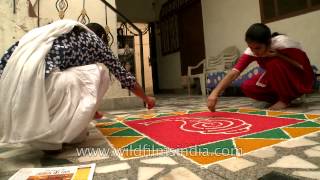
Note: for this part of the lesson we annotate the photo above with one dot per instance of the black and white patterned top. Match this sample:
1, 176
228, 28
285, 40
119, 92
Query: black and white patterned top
78, 48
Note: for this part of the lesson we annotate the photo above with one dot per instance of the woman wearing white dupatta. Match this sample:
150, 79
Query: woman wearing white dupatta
52, 82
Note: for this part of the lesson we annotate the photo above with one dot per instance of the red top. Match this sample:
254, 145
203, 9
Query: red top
302, 79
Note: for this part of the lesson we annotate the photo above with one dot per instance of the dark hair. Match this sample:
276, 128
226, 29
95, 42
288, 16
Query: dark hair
99, 31
259, 33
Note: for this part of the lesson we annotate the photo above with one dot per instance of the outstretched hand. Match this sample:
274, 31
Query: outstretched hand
212, 102
150, 101
138, 91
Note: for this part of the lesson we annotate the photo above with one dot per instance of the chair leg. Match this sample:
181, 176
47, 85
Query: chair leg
203, 85
188, 84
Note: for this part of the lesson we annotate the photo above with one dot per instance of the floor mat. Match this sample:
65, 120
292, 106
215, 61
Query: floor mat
204, 137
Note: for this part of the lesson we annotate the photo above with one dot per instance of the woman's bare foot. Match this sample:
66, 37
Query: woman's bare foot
278, 105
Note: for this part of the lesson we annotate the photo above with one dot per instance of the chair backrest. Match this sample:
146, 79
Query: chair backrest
223, 61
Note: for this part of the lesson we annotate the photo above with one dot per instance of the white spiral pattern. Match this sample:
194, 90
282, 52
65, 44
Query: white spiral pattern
217, 125
210, 125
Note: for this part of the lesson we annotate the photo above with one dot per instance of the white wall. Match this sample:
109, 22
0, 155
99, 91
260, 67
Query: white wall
169, 70
305, 29
225, 23
13, 26
95, 10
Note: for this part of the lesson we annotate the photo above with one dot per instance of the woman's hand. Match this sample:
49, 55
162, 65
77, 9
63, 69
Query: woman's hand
138, 91
150, 101
212, 102
223, 84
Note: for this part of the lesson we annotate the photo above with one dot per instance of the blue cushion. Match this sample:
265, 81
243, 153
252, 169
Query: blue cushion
214, 78
317, 81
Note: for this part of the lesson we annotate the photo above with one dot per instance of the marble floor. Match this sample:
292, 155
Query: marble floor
294, 159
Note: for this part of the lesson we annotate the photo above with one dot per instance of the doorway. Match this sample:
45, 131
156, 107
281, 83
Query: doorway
191, 35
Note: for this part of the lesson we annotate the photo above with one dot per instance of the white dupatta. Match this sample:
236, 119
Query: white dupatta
24, 111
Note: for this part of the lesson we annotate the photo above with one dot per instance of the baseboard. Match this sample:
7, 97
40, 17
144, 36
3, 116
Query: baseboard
173, 91
118, 103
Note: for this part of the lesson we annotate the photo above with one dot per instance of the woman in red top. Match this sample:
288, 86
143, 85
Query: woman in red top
287, 76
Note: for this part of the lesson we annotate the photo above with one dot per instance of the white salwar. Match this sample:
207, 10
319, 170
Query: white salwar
73, 97
47, 112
